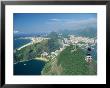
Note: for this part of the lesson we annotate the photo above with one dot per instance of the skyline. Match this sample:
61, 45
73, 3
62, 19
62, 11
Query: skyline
47, 22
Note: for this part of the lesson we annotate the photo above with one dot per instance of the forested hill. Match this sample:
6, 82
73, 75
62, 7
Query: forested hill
36, 49
70, 63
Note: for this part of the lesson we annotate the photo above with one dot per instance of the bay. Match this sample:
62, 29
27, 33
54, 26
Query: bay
94, 52
31, 67
20, 42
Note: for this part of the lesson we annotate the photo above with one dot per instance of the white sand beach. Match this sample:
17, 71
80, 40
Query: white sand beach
25, 45
42, 59
33, 40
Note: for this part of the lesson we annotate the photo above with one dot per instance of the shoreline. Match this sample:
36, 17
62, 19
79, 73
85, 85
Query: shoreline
33, 40
37, 58
22, 61
42, 59
27, 44
30, 43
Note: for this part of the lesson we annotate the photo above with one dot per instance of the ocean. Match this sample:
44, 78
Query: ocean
32, 67
20, 42
94, 52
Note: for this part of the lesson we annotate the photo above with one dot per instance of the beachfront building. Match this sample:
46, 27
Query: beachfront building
44, 55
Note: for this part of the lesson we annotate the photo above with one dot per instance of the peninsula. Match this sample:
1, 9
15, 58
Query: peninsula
60, 54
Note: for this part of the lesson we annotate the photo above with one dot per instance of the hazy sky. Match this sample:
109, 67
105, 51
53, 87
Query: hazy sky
47, 22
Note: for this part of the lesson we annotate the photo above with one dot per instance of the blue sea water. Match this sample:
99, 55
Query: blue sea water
94, 52
32, 67
20, 42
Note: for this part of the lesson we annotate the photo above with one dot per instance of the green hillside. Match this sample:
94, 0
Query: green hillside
70, 63
31, 51
36, 49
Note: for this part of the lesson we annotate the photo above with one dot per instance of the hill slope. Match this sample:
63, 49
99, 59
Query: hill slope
70, 63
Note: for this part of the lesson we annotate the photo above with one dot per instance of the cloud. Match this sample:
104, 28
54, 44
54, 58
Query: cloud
71, 24
54, 19
16, 31
81, 23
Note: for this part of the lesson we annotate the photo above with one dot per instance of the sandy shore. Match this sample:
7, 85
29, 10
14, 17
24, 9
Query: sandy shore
37, 58
22, 61
33, 40
42, 59
25, 45
30, 43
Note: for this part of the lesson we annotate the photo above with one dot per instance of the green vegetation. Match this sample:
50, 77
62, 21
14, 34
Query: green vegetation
82, 42
53, 42
71, 63
53, 45
51, 68
31, 51
36, 49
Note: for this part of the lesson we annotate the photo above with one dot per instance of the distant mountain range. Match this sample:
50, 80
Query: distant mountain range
87, 32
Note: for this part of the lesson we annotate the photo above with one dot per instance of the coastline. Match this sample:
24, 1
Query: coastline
25, 45
42, 59
33, 40
30, 43
37, 58
22, 61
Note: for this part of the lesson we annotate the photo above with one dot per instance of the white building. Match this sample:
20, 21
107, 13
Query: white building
44, 54
88, 59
